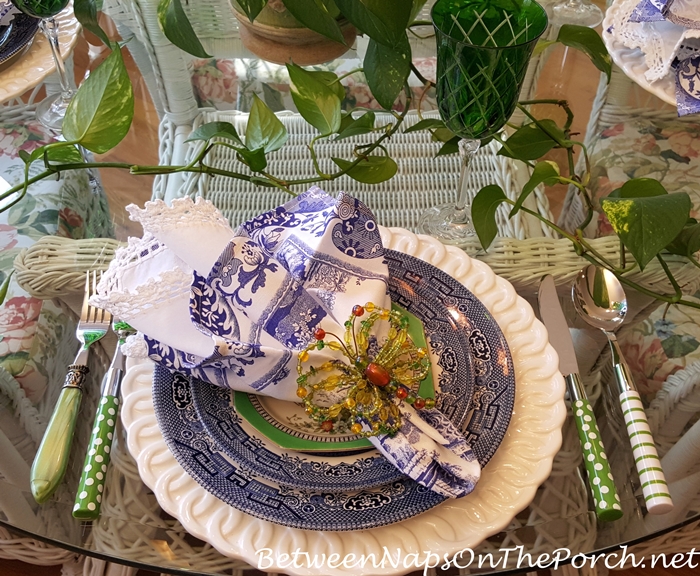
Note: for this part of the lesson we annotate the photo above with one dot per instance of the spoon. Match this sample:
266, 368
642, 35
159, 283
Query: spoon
600, 300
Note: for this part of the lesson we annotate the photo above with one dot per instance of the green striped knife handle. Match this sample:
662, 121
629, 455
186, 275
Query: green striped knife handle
89, 496
51, 458
654, 487
600, 478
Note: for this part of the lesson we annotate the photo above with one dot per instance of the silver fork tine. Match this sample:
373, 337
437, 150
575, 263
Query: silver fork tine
92, 291
84, 311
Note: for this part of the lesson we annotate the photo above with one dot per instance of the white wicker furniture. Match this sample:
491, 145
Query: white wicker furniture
133, 527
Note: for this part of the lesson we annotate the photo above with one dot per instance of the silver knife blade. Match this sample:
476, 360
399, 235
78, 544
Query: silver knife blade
555, 322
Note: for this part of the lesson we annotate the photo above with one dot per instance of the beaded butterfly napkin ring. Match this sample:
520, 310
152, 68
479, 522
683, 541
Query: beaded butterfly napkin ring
363, 396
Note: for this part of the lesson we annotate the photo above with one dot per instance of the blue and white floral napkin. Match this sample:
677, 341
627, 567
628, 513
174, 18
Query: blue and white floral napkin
235, 308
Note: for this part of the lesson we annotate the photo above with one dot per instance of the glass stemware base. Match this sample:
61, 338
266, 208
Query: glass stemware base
51, 111
575, 12
447, 224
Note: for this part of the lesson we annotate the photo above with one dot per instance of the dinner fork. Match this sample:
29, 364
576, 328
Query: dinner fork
51, 459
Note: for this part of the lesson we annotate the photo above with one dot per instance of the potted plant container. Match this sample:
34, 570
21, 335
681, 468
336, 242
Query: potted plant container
277, 36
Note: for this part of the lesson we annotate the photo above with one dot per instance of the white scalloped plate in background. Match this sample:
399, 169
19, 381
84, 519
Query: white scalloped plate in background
508, 483
632, 63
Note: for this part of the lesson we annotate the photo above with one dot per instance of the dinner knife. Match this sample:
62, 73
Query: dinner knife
600, 478
88, 498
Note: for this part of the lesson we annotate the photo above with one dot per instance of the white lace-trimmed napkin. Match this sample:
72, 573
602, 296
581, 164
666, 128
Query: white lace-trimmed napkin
234, 308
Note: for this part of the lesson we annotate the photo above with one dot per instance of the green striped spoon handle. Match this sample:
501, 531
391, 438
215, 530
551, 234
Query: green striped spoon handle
651, 475
600, 478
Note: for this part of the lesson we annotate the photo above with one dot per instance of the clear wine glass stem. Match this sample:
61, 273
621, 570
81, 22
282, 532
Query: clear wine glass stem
467, 150
49, 27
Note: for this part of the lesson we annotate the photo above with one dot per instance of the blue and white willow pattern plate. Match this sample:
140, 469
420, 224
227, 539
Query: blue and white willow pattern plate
237, 485
489, 409
16, 36
426, 292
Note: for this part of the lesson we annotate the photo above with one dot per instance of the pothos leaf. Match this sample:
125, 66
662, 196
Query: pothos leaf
544, 172
370, 170
484, 207
315, 15
362, 125
100, 114
384, 21
587, 40
647, 225
425, 124
317, 102
251, 7
67, 154
449, 147
530, 142
264, 129
255, 159
687, 243
386, 69
178, 29
86, 13
330, 79
215, 130
639, 188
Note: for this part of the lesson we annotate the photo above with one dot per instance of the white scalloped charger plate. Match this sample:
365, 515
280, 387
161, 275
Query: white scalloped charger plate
38, 62
632, 63
508, 484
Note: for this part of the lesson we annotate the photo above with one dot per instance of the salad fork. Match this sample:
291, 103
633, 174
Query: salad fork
89, 494
51, 459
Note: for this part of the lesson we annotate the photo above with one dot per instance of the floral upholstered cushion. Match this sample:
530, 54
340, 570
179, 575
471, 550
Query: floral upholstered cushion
32, 329
229, 84
660, 346
668, 151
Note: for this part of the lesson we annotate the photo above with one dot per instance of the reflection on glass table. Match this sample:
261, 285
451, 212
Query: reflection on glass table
34, 66
134, 530
52, 109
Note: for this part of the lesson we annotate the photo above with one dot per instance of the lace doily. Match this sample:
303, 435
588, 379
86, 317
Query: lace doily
659, 40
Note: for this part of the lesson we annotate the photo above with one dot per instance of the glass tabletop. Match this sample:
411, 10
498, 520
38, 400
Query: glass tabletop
135, 531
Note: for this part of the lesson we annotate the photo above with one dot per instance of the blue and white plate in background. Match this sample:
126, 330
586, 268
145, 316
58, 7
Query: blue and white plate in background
16, 36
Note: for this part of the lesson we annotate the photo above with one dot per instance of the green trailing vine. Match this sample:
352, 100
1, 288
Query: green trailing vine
649, 222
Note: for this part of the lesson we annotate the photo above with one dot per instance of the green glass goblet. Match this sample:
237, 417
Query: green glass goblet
483, 50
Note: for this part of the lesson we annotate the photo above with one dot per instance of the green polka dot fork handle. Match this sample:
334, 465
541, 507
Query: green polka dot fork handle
91, 487
651, 475
88, 498
600, 478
